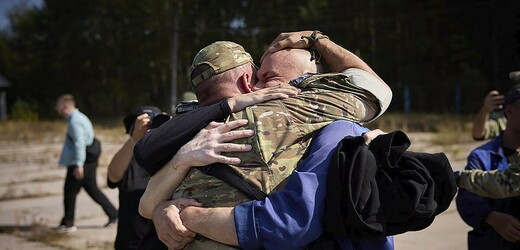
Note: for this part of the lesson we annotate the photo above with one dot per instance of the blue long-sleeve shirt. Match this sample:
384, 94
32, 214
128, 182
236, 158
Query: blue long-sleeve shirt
80, 134
474, 209
291, 218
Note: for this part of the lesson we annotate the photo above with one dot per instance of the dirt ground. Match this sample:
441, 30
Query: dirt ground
31, 187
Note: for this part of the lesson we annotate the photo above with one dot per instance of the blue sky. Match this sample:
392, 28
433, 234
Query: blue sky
6, 5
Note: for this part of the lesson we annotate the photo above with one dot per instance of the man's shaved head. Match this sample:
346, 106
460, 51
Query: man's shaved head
284, 66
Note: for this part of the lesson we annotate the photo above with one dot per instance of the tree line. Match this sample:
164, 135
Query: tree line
116, 55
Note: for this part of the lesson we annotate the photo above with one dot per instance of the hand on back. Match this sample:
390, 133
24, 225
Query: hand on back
206, 147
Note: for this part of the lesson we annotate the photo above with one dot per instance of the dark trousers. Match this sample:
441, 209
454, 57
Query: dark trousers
89, 183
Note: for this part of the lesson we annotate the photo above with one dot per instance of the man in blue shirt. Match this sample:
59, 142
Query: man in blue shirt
495, 222
80, 155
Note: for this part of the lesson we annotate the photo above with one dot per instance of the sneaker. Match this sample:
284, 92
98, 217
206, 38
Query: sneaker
67, 229
111, 223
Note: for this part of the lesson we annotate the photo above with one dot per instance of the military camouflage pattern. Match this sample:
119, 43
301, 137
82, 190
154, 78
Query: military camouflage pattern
283, 129
203, 243
495, 125
208, 189
493, 184
220, 56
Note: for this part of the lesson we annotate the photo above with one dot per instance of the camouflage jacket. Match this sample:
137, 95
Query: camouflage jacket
495, 184
283, 130
495, 125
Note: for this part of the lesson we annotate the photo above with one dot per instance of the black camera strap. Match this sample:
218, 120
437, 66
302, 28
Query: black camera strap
231, 177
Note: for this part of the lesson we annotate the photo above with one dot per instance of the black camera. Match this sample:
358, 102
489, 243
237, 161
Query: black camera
157, 117
158, 120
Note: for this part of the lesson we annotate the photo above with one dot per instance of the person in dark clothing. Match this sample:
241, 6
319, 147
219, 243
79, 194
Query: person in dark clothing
125, 174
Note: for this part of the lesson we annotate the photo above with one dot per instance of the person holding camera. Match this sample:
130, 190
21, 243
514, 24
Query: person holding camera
492, 171
125, 174
490, 121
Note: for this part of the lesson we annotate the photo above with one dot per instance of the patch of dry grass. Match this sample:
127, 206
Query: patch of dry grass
23, 131
448, 128
113, 134
51, 131
37, 232
12, 193
49, 237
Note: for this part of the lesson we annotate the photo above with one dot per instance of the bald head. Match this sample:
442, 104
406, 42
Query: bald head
223, 85
284, 66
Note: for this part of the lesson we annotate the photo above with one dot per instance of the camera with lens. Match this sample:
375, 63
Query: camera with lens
157, 120
157, 117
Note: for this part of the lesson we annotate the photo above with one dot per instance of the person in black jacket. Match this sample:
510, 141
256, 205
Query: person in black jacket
125, 174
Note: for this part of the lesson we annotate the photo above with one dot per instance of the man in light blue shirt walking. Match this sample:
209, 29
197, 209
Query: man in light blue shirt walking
80, 155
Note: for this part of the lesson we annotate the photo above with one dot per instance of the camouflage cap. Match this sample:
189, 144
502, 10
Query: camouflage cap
219, 56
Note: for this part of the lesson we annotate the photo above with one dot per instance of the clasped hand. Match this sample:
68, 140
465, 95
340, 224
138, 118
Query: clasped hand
206, 147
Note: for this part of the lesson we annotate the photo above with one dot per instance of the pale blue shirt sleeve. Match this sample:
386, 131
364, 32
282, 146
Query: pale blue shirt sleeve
291, 218
77, 135
80, 133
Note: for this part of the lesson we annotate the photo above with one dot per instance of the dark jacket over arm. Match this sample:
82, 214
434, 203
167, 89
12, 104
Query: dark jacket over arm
382, 189
159, 145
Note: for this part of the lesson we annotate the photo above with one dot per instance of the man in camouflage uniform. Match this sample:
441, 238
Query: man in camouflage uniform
495, 184
284, 127
496, 222
283, 130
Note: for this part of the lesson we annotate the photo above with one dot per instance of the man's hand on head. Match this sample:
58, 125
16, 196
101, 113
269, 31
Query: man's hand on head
239, 103
291, 40
206, 147
168, 224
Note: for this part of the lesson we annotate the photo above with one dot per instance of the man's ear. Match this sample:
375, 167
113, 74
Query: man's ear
244, 82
